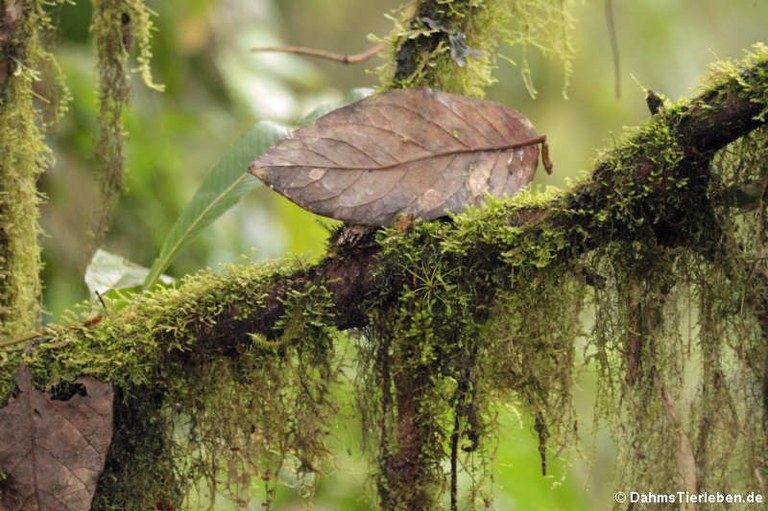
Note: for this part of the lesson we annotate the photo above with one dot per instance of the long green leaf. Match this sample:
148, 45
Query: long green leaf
222, 188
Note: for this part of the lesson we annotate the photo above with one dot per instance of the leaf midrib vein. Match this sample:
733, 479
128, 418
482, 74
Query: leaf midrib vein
469, 150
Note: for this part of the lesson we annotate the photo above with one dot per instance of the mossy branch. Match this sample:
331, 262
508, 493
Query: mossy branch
652, 190
629, 191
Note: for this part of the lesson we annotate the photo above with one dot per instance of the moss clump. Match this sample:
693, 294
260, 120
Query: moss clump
465, 333
453, 45
23, 156
724, 72
244, 420
116, 24
192, 414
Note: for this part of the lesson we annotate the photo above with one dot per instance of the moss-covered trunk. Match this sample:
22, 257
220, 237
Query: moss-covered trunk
23, 155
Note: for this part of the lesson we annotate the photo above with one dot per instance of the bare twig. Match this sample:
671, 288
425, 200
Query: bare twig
328, 55
323, 54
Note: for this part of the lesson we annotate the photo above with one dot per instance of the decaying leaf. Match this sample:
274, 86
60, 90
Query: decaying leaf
53, 451
416, 151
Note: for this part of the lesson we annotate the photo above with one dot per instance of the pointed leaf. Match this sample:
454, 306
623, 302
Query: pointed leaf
221, 189
415, 151
52, 450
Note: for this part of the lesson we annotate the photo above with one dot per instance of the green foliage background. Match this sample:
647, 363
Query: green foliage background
215, 89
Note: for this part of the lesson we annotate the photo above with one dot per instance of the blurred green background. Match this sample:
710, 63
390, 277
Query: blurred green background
216, 88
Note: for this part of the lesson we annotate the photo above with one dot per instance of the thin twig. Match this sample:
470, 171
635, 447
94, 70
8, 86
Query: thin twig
6, 343
335, 57
327, 55
49, 331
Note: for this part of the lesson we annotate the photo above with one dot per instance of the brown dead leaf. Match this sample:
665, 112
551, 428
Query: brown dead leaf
51, 451
416, 151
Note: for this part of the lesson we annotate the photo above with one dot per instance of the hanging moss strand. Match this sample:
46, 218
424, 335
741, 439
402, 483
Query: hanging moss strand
117, 26
113, 29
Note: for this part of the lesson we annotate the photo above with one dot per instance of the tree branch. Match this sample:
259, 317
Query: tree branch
355, 58
215, 322
709, 122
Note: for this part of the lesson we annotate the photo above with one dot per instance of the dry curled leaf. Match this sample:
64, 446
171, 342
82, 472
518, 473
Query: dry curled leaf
416, 151
53, 451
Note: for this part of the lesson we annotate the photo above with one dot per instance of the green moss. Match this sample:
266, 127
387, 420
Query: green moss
471, 313
468, 314
116, 25
729, 71
484, 291
670, 298
23, 156
190, 417
546, 26
427, 50
469, 330
730, 295
672, 310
